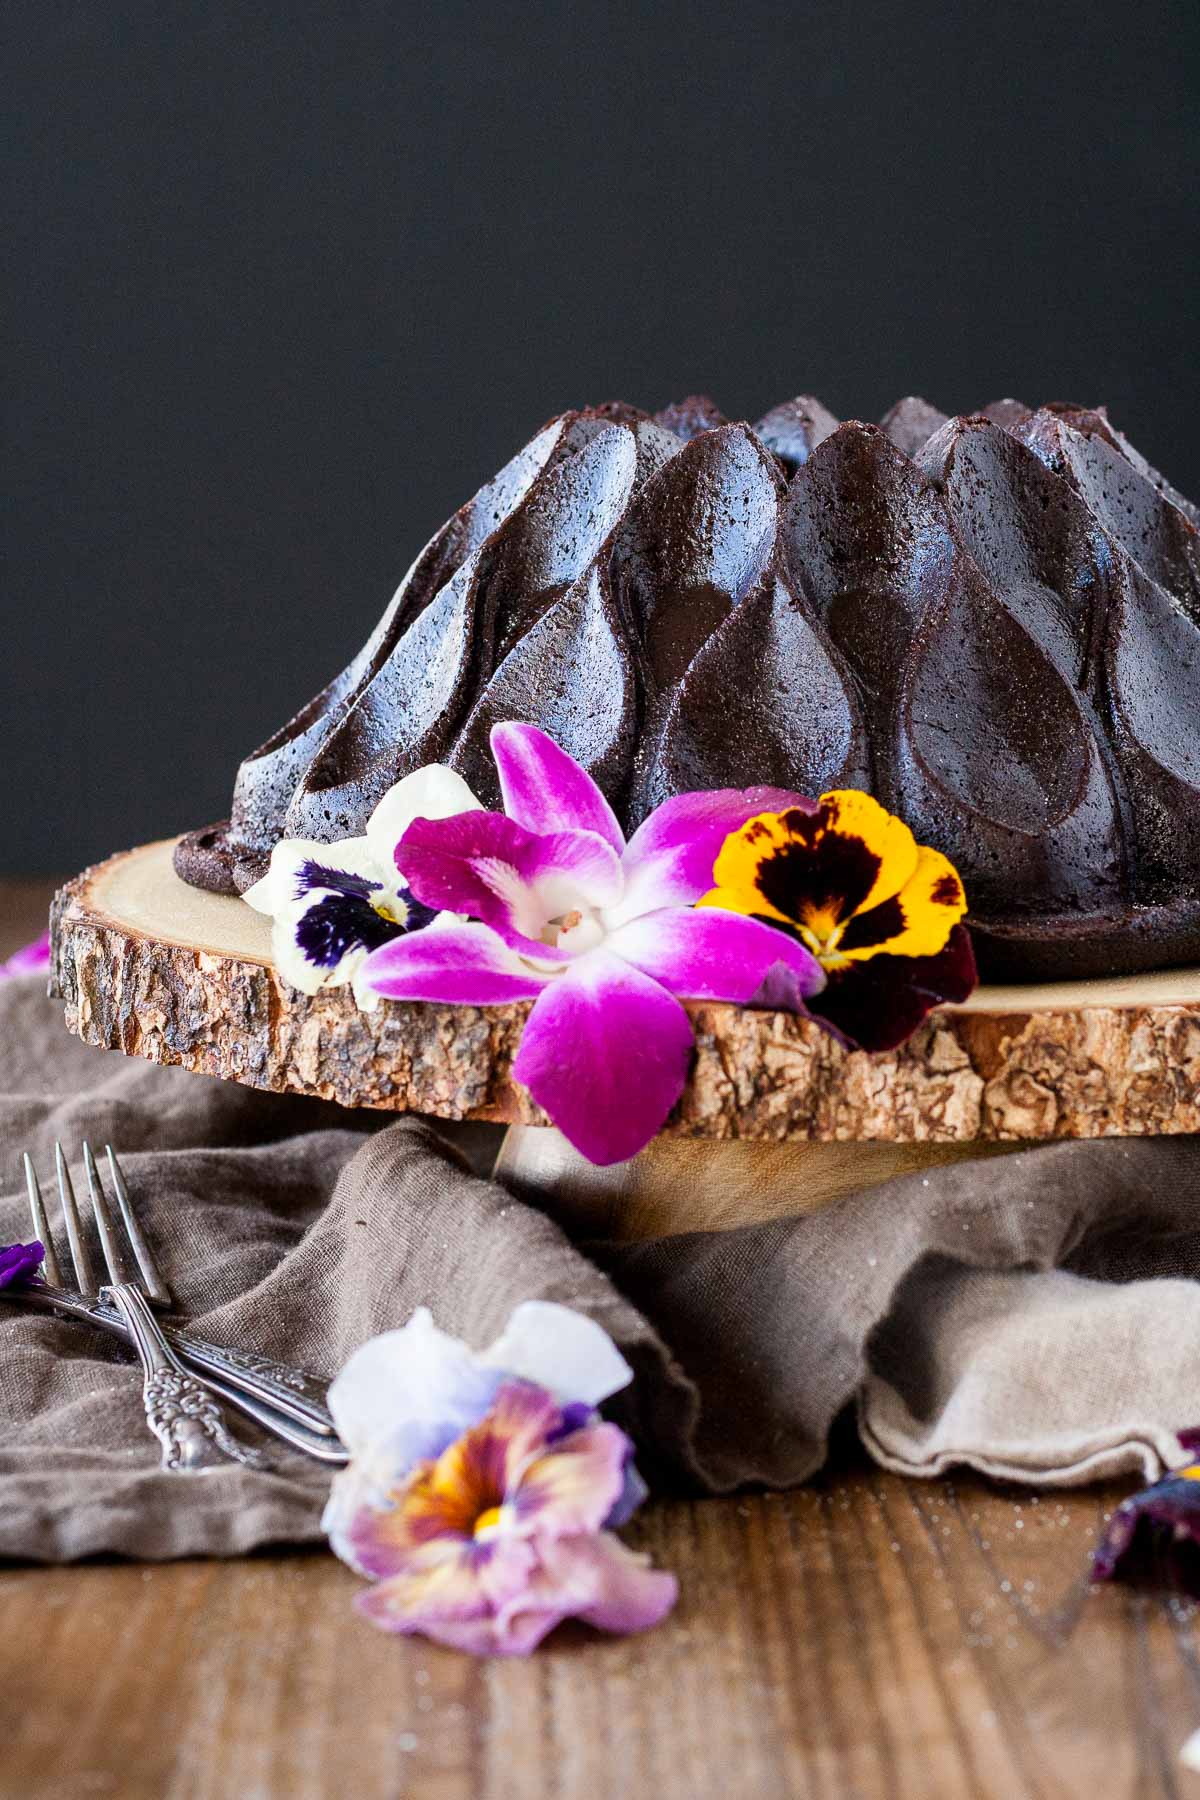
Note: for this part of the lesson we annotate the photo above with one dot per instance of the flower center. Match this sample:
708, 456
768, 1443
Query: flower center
579, 929
821, 930
489, 1522
395, 912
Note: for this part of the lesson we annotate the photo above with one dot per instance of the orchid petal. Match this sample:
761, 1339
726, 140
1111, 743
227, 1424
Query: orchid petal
31, 959
605, 1052
515, 880
561, 1350
545, 790
713, 955
670, 857
455, 965
434, 792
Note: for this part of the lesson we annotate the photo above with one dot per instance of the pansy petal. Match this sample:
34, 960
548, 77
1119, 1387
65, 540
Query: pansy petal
434, 792
712, 954
19, 1260
815, 870
512, 879
671, 855
915, 922
298, 866
418, 1374
493, 1453
454, 964
447, 1581
877, 1004
574, 1485
605, 1053
545, 790
884, 838
613, 1587
320, 941
561, 1350
1154, 1536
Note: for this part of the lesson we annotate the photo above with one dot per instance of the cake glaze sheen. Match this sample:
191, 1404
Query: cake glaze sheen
991, 621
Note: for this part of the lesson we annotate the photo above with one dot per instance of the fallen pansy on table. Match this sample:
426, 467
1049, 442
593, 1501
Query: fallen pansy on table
483, 1489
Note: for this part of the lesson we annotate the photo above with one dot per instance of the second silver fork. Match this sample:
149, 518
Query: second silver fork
180, 1410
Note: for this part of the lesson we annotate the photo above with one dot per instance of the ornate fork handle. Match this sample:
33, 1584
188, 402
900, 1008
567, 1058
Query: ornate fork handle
180, 1412
299, 1396
293, 1391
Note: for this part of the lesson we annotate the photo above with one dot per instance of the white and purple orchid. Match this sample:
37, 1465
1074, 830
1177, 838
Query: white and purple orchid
332, 904
600, 933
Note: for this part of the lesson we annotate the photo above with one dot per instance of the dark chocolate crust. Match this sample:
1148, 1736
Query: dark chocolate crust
992, 621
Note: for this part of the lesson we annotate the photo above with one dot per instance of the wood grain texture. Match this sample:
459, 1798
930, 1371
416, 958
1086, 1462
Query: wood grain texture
150, 967
864, 1638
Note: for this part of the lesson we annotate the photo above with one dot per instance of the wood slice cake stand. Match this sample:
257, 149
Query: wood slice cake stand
776, 1118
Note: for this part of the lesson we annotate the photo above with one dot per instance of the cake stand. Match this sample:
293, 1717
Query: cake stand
776, 1117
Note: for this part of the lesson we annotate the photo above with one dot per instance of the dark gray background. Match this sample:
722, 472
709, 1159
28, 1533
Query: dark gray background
287, 282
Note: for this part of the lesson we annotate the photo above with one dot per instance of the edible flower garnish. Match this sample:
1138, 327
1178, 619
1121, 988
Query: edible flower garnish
487, 1548
880, 912
407, 1394
1153, 1538
331, 904
482, 1486
19, 1260
32, 959
601, 933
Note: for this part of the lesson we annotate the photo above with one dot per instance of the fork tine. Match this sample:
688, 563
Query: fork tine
152, 1275
106, 1225
79, 1251
41, 1225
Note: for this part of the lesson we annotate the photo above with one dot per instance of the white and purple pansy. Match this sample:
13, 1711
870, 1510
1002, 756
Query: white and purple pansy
332, 904
406, 1395
483, 1487
602, 934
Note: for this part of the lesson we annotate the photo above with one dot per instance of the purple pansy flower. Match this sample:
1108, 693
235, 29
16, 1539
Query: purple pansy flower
332, 904
33, 959
601, 933
1153, 1538
19, 1260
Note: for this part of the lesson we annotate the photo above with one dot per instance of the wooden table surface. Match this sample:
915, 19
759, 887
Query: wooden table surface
866, 1636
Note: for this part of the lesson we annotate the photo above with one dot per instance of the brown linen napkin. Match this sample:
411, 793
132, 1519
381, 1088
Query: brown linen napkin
1032, 1315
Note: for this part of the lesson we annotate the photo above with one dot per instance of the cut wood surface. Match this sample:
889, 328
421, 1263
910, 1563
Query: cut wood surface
150, 966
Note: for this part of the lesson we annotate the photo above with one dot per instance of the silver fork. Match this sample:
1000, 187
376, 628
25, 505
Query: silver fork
285, 1401
181, 1410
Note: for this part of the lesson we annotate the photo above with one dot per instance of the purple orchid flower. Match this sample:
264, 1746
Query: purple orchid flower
599, 932
33, 959
19, 1260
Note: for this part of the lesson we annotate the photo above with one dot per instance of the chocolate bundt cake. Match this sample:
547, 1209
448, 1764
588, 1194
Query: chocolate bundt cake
992, 622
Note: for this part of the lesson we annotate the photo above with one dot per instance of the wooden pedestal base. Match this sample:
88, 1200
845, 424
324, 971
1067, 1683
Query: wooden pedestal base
677, 1184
